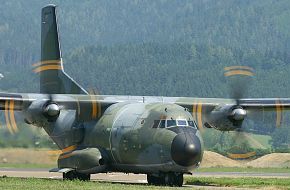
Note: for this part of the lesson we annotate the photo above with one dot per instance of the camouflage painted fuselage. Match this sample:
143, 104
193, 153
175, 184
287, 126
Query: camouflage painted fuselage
124, 139
126, 136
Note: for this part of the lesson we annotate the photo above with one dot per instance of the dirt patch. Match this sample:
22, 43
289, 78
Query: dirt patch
31, 156
213, 159
275, 160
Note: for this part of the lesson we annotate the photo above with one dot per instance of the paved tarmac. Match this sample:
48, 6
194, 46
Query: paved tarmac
133, 178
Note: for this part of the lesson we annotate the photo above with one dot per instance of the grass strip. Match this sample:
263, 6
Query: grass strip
238, 182
13, 183
247, 170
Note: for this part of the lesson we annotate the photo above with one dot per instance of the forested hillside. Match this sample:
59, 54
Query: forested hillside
174, 48
160, 47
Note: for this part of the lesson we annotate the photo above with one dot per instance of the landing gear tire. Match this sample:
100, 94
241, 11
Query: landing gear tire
73, 175
155, 180
173, 179
178, 180
168, 179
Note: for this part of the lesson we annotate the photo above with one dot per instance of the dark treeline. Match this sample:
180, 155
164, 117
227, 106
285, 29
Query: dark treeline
249, 24
173, 69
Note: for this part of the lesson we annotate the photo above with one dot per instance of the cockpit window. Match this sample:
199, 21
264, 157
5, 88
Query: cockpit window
181, 123
171, 123
159, 124
162, 124
156, 123
191, 124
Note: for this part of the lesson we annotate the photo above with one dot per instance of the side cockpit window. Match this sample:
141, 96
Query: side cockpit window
162, 124
192, 124
159, 124
156, 123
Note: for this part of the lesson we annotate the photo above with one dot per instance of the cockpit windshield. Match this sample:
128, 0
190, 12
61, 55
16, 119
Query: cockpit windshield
173, 123
181, 123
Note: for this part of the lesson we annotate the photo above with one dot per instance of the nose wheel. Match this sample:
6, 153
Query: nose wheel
73, 175
168, 179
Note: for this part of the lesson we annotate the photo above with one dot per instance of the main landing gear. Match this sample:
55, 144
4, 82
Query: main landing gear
73, 175
169, 179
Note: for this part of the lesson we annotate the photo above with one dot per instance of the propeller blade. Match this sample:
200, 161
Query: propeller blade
243, 146
239, 79
10, 117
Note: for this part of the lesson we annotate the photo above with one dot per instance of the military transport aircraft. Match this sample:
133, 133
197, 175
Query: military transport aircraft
157, 136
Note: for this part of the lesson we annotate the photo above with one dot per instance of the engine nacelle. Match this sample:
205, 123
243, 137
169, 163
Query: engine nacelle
34, 113
227, 117
39, 112
89, 160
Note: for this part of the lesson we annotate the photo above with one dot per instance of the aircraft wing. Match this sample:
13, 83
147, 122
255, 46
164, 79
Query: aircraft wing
228, 114
209, 112
13, 101
264, 103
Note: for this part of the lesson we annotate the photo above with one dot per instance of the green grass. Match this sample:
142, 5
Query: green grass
248, 170
239, 182
33, 183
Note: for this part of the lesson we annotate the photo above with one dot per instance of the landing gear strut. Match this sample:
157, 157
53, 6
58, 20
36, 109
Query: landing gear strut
169, 179
73, 175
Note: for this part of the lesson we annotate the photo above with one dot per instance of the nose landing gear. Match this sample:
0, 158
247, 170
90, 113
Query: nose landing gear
168, 179
73, 175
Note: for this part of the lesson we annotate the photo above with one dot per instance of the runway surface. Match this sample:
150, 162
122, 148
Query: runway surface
44, 173
132, 178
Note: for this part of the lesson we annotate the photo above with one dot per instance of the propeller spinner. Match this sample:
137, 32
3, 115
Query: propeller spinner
52, 110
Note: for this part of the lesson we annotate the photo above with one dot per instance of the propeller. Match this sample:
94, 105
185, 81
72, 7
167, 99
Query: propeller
239, 78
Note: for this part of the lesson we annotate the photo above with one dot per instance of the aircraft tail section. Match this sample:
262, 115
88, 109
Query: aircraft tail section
53, 79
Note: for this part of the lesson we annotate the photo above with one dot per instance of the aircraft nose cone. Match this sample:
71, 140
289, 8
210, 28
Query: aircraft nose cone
186, 149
